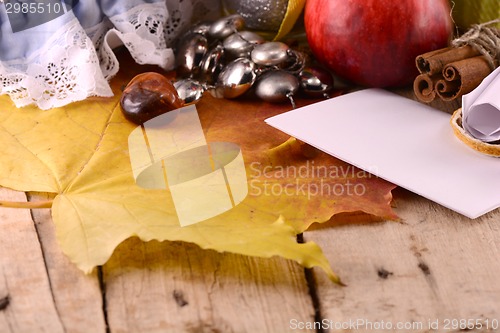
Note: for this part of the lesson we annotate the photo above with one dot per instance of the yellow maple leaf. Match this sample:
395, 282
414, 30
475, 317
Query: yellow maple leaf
80, 152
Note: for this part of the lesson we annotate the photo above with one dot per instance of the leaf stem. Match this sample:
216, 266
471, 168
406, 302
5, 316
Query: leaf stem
27, 205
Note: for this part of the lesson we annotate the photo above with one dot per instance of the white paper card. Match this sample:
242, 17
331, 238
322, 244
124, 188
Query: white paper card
400, 140
481, 109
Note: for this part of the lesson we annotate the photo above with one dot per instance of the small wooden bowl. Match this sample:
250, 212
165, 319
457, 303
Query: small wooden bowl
480, 146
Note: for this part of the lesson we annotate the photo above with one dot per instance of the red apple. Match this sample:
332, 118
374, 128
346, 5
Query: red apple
375, 42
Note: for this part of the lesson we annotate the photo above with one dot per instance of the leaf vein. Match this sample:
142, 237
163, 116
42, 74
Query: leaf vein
96, 147
44, 163
81, 224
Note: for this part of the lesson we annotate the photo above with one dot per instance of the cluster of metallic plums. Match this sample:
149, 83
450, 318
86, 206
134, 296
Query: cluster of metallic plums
227, 61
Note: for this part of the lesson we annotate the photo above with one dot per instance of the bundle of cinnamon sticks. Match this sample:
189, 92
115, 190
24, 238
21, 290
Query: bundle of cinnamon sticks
449, 73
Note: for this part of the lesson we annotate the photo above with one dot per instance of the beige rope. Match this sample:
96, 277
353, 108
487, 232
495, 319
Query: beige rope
485, 39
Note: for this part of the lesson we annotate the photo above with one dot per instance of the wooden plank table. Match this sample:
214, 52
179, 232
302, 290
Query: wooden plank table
417, 275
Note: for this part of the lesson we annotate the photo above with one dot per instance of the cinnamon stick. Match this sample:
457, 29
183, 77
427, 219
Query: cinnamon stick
424, 87
454, 71
433, 62
461, 77
447, 90
449, 73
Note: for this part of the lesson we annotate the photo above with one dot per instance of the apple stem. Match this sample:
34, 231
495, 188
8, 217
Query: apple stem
27, 205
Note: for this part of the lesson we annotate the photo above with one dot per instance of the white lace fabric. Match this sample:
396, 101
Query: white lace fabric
71, 72
76, 63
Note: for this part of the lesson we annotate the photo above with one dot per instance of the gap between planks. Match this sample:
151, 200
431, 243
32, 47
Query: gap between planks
435, 265
153, 287
46, 292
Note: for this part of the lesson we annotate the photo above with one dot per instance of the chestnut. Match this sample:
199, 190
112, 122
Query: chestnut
147, 96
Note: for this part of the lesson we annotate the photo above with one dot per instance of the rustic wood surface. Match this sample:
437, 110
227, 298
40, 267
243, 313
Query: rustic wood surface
432, 266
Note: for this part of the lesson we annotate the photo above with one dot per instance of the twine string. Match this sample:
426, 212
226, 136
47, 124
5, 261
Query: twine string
485, 38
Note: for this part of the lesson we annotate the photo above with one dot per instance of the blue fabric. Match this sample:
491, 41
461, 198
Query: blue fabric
22, 44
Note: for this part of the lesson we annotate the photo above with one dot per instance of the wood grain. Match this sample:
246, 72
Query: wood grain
77, 296
177, 287
40, 290
434, 265
25, 289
